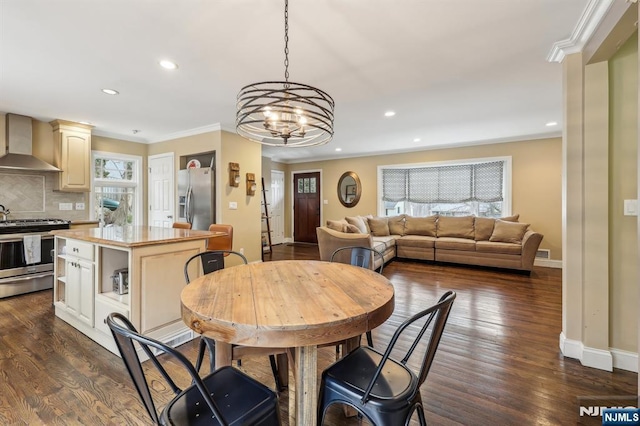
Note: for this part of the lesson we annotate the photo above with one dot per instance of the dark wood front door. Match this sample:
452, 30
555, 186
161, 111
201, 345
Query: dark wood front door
306, 207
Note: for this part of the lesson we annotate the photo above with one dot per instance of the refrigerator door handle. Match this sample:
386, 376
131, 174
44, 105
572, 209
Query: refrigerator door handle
188, 206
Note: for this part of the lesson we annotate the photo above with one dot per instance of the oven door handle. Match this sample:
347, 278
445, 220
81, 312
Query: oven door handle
25, 278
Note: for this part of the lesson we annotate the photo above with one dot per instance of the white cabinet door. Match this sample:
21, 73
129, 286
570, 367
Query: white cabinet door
79, 289
85, 313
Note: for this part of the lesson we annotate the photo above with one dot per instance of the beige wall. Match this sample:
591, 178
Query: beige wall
623, 148
246, 220
536, 182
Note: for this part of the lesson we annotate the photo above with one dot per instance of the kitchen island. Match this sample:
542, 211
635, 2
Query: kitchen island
136, 271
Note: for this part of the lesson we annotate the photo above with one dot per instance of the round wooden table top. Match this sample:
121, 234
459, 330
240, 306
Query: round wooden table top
289, 303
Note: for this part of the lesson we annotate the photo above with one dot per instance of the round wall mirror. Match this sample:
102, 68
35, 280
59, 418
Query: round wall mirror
349, 189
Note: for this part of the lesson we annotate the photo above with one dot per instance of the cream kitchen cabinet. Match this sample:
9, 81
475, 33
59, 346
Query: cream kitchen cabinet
72, 155
74, 289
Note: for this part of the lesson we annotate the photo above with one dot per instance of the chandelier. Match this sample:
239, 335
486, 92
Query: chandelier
283, 113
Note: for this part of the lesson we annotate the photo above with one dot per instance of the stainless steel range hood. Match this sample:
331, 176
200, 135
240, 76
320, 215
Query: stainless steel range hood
19, 147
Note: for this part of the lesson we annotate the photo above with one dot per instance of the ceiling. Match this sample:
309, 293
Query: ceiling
456, 72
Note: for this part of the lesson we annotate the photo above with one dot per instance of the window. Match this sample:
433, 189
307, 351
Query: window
473, 187
116, 198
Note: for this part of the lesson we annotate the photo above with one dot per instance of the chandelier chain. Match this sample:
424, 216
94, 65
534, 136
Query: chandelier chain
286, 41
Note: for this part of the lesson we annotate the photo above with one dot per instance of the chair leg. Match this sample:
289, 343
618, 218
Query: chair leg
276, 376
421, 419
369, 339
200, 358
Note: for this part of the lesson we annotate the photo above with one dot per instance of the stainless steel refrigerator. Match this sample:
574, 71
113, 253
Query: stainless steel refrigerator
197, 197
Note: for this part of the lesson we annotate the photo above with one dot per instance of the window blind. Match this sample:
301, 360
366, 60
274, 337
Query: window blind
445, 184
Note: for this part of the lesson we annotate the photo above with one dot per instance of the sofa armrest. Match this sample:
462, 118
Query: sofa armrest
330, 240
530, 243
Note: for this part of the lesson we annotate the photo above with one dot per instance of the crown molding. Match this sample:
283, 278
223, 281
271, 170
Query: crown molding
191, 132
593, 14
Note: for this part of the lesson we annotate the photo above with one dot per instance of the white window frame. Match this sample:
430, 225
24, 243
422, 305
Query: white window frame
136, 182
506, 183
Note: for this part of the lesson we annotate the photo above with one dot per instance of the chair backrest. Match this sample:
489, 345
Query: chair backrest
211, 261
125, 335
181, 225
435, 319
223, 242
365, 257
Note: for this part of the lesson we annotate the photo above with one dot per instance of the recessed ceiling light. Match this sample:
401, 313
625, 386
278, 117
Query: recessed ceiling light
338, 149
551, 124
416, 140
110, 92
389, 113
167, 64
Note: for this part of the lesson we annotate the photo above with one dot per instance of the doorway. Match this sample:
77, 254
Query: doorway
277, 207
161, 190
306, 206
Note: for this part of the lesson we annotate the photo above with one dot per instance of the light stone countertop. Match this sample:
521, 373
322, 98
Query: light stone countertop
135, 236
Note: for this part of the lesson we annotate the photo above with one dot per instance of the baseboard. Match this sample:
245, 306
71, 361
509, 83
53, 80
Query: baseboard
548, 263
589, 357
625, 360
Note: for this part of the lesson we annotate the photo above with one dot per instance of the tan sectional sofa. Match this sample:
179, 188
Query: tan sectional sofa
501, 243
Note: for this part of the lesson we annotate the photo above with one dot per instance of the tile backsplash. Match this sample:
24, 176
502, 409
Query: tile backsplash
30, 195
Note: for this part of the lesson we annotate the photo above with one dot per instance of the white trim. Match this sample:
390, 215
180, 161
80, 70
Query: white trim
570, 348
548, 263
597, 358
587, 25
296, 172
137, 183
185, 133
625, 360
589, 357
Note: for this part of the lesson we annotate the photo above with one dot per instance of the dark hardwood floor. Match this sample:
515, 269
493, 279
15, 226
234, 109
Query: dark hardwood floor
498, 362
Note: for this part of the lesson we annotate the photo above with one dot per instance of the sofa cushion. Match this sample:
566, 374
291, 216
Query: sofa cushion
388, 241
452, 243
420, 225
508, 232
352, 229
379, 226
456, 227
420, 241
365, 220
396, 225
380, 246
484, 226
503, 248
358, 222
337, 225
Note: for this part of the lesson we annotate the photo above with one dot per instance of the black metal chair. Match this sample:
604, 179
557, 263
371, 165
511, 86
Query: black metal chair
386, 391
212, 261
226, 396
365, 257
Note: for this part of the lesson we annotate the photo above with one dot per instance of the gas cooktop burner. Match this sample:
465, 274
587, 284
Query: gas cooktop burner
32, 225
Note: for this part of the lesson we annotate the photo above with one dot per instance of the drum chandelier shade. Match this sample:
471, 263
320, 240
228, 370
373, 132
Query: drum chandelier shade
283, 113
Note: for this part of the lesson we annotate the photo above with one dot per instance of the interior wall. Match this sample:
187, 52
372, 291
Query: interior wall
536, 182
623, 149
246, 219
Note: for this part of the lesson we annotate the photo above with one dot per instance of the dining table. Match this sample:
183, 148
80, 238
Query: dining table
293, 304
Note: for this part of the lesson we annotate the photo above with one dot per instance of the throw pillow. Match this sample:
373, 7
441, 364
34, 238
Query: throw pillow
508, 232
365, 220
357, 221
484, 226
379, 226
457, 227
337, 225
420, 225
396, 225
352, 229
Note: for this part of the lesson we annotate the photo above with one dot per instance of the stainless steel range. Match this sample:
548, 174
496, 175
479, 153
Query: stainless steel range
31, 269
